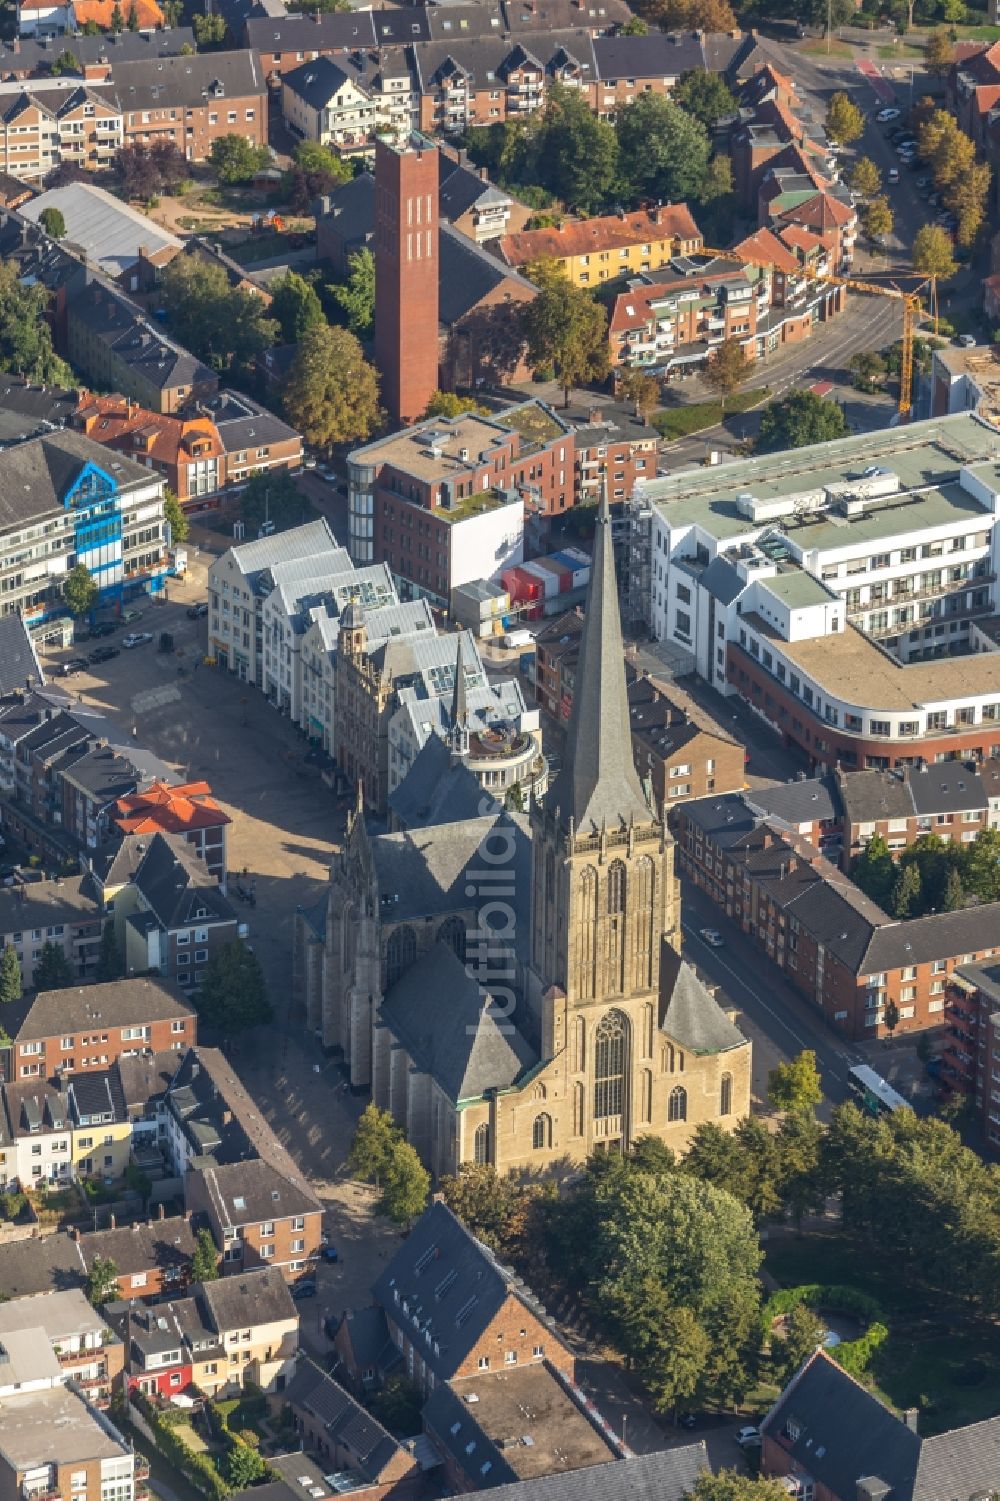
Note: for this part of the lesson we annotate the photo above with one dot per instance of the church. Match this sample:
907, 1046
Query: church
510, 985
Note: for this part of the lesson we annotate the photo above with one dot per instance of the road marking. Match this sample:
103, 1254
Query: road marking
155, 698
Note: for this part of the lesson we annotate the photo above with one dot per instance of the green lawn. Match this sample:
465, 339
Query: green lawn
978, 33
903, 49
836, 49
681, 422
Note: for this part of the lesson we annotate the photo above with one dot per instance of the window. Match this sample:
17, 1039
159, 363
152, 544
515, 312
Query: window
609, 1066
510, 1357
481, 1143
677, 1105
726, 1095
541, 1132
266, 1252
484, 1362
298, 1245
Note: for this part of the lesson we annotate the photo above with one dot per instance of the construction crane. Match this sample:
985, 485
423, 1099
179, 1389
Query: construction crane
911, 312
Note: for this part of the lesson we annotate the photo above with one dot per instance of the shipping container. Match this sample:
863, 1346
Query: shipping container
548, 577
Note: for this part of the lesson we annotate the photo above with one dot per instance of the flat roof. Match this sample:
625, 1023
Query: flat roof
904, 512
530, 1404
796, 588
52, 1427
852, 668
60, 1315
925, 455
412, 450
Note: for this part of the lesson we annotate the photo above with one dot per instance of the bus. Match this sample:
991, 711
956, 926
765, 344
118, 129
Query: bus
872, 1093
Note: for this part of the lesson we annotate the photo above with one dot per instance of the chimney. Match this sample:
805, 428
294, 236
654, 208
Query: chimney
74, 1232
161, 1210
112, 1221
911, 1417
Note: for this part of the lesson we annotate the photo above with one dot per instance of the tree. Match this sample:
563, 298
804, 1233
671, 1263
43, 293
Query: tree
53, 223
906, 893
967, 199
53, 971
726, 369
111, 963
688, 15
316, 171
234, 159
244, 1466
795, 1085
205, 1261
704, 96
719, 1157
272, 495
877, 219
322, 161
405, 1186
174, 515
375, 1141
102, 1281
233, 996
117, 20
502, 1212
356, 297
954, 892
845, 122
663, 151
802, 1181
865, 178
296, 306
225, 326
729, 1485
80, 590
868, 370
804, 1333
641, 389
982, 866
798, 420
398, 1405
25, 336
890, 1017
331, 394
635, 26
450, 404
576, 153
66, 62
11, 984
874, 871
132, 20
939, 52
672, 1349
209, 31
564, 327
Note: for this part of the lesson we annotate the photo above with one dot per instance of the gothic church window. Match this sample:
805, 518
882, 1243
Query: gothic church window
588, 934
481, 1144
400, 952
541, 1132
726, 1095
609, 1066
616, 926
453, 932
677, 1105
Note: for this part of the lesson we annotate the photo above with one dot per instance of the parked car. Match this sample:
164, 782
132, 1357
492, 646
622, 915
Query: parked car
75, 664
712, 937
966, 341
129, 617
748, 1437
885, 115
330, 1253
304, 1289
195, 612
103, 654
893, 175
138, 638
103, 628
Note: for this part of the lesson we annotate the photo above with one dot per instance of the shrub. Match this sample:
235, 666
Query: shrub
856, 1355
818, 1295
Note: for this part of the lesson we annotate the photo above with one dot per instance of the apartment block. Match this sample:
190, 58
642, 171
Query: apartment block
61, 912
56, 1443
834, 588
186, 810
117, 348
173, 916
257, 1217
90, 1027
71, 1338
65, 1131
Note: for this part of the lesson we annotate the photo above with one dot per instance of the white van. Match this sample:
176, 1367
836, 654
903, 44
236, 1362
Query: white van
515, 639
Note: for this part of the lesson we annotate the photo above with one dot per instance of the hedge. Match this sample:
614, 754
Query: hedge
820, 1295
198, 1468
856, 1355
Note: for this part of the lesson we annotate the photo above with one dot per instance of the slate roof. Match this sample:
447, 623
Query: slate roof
723, 820
35, 476
52, 1263
668, 1475
331, 29
449, 1281
345, 1420
368, 1332
157, 1245
35, 55
689, 1015
946, 787
18, 661
872, 795
642, 56
939, 935
248, 1298
31, 411
318, 80
722, 581
452, 1030
460, 187
435, 790
119, 1003
177, 885
145, 1078
423, 873
181, 82
244, 1193
102, 774
468, 274
598, 784
806, 801
113, 320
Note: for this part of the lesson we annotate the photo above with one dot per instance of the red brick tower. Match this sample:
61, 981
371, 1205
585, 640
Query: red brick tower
406, 275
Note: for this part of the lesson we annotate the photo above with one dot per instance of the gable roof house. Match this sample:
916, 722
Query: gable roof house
188, 810
345, 1437
173, 915
256, 1215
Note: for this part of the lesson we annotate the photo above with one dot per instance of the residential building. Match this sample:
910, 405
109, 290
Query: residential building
592, 1049
90, 1027
173, 915
472, 204
253, 439
32, 56
67, 502
219, 1337
40, 1264
119, 349
123, 243
152, 1258
55, 121
55, 1442
61, 912
188, 811
830, 1436
338, 1434
187, 451
610, 445
92, 785
590, 251
406, 279
971, 1056
833, 944
833, 588
325, 101
257, 1216
193, 101
74, 1129
63, 1323
669, 1475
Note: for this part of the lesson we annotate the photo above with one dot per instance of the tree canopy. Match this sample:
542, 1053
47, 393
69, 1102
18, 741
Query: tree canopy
296, 306
233, 996
174, 514
380, 1154
726, 368
704, 95
845, 122
234, 159
664, 151
80, 590
205, 1261
53, 971
932, 252
355, 297
225, 326
25, 336
143, 170
53, 223
565, 328
799, 419
11, 985
331, 394
102, 1281
795, 1085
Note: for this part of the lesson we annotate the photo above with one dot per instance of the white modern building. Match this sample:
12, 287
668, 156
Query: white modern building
838, 588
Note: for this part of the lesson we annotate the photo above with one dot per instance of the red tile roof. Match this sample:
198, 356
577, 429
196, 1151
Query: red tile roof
169, 810
765, 249
613, 232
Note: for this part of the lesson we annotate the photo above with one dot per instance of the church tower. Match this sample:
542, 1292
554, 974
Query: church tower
603, 896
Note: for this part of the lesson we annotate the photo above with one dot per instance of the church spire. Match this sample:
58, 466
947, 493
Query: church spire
598, 784
459, 708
